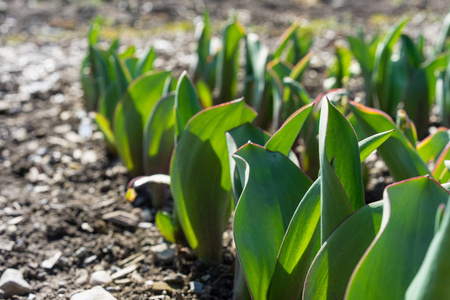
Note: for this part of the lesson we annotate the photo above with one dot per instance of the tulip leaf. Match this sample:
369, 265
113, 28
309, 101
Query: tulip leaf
382, 67
264, 211
368, 145
399, 248
145, 63
432, 146
284, 138
201, 183
401, 158
297, 248
123, 76
165, 225
338, 257
105, 127
159, 137
440, 171
228, 61
285, 38
431, 281
342, 190
186, 102
237, 138
257, 55
131, 117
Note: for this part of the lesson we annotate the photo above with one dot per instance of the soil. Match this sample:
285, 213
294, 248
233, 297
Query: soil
56, 178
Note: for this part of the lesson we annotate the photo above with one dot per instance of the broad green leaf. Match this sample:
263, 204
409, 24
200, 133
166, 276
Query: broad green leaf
201, 183
236, 138
166, 226
203, 31
440, 172
131, 64
123, 77
342, 190
362, 53
145, 63
109, 98
295, 92
300, 67
339, 73
257, 55
415, 100
398, 154
186, 102
338, 257
229, 61
301, 44
442, 92
284, 138
431, 67
407, 127
94, 30
278, 70
105, 127
264, 211
432, 146
442, 41
127, 53
382, 67
297, 248
431, 281
285, 38
131, 117
204, 94
399, 248
159, 137
368, 145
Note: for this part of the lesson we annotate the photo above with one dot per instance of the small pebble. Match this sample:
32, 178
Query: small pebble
196, 287
100, 278
13, 284
82, 277
51, 261
96, 293
163, 252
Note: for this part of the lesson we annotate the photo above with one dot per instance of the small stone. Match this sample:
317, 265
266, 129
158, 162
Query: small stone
145, 225
100, 278
82, 277
160, 286
51, 261
86, 227
163, 252
73, 137
81, 253
206, 277
149, 283
196, 287
88, 157
90, 259
177, 278
6, 245
123, 272
121, 218
96, 293
12, 283
137, 277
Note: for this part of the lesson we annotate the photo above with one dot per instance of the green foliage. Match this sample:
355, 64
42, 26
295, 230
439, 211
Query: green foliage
400, 76
201, 183
277, 218
404, 158
295, 237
